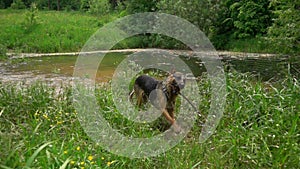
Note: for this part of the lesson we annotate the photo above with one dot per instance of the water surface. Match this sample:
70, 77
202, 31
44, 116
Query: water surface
60, 68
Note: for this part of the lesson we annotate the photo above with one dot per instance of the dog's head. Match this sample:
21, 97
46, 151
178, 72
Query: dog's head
177, 81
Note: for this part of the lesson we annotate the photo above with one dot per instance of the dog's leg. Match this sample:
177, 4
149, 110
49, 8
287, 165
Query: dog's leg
171, 112
168, 117
131, 95
138, 94
171, 120
139, 98
170, 108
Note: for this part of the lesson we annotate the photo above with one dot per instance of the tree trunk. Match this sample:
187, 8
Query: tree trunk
58, 7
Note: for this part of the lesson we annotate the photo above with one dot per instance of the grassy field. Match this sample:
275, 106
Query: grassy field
52, 31
259, 129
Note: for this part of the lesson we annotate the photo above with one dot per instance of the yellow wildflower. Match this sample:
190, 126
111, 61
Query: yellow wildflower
65, 152
109, 163
82, 163
102, 158
78, 148
72, 162
90, 158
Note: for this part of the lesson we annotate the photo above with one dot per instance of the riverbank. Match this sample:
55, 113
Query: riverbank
222, 54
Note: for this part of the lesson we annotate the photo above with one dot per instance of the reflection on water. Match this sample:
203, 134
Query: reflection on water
267, 68
55, 68
60, 68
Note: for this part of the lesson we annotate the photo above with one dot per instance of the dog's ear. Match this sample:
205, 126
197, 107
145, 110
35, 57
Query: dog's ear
172, 71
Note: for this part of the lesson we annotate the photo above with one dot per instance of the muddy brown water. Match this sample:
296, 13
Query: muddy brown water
59, 69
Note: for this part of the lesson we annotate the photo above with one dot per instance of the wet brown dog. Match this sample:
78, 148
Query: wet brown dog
162, 94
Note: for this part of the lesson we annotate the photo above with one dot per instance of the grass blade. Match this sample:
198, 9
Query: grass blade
194, 166
34, 155
4, 167
65, 164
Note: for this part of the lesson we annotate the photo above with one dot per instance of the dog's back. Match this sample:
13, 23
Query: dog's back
146, 83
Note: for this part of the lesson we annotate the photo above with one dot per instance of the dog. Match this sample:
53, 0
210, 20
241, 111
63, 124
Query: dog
162, 94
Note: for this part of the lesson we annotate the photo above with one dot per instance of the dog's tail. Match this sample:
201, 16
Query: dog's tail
131, 95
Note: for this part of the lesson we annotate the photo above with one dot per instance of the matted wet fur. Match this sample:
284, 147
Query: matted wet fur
164, 95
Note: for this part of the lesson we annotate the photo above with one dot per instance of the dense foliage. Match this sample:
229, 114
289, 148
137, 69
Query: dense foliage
267, 25
285, 30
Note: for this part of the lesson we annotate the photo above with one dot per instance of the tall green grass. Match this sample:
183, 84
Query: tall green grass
61, 31
259, 129
251, 45
52, 31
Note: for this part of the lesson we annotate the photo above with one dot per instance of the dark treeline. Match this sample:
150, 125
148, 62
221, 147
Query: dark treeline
264, 23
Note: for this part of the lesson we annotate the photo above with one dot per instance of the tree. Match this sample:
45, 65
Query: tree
240, 19
201, 13
58, 5
135, 6
84, 5
115, 3
7, 3
99, 7
284, 32
250, 18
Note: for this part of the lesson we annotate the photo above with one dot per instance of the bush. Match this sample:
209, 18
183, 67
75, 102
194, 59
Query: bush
136, 6
18, 4
2, 5
31, 17
250, 18
284, 33
201, 13
84, 5
99, 7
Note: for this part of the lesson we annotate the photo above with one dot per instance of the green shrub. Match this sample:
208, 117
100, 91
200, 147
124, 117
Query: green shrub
84, 5
284, 33
201, 13
99, 7
18, 4
2, 5
31, 15
250, 18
